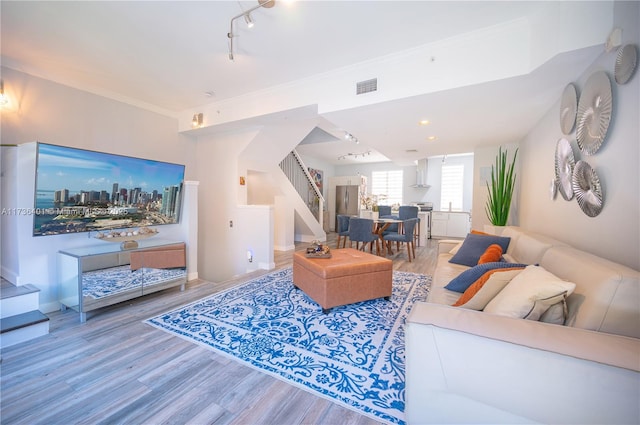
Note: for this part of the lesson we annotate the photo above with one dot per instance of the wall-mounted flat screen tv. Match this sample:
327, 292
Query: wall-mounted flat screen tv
79, 190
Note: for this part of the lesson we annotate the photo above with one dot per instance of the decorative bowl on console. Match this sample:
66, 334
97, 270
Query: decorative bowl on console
127, 237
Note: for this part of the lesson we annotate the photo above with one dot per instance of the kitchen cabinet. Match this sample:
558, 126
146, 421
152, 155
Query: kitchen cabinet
425, 226
449, 224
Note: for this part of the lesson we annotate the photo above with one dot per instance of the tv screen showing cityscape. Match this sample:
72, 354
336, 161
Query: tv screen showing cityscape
80, 190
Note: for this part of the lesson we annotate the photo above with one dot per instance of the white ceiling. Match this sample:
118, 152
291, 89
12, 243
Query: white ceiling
167, 54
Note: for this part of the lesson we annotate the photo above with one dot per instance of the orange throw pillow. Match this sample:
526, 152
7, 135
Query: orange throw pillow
478, 284
491, 255
478, 232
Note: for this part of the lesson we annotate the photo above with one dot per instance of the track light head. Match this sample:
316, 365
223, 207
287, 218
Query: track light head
248, 20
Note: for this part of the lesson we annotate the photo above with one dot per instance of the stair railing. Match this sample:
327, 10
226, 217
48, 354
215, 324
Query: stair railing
298, 174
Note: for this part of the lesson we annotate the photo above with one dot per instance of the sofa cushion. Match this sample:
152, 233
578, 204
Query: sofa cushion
530, 294
475, 245
491, 254
527, 247
483, 290
607, 295
465, 279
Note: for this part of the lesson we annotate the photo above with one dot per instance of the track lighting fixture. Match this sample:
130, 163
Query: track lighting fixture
350, 137
247, 18
354, 155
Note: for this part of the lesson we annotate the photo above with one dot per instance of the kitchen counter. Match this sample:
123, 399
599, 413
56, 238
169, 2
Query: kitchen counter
450, 224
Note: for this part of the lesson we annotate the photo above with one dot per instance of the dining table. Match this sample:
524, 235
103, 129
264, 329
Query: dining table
382, 224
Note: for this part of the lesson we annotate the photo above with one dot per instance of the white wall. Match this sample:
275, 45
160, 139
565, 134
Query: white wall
615, 233
486, 158
222, 248
45, 111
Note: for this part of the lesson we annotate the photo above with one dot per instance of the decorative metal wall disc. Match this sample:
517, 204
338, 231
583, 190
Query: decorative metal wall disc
564, 168
594, 113
626, 62
586, 185
553, 188
568, 109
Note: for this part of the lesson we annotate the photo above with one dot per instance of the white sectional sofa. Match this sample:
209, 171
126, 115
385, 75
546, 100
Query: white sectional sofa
465, 366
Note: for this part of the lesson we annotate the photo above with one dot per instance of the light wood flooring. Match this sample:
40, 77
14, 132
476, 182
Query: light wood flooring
114, 369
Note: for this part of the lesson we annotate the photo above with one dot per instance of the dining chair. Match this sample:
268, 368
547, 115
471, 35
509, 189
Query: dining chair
343, 230
384, 211
361, 230
406, 237
409, 211
406, 212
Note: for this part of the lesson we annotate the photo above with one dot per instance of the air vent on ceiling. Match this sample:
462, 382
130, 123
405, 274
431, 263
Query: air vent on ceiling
367, 86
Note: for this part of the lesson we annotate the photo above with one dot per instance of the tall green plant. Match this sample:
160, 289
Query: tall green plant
503, 180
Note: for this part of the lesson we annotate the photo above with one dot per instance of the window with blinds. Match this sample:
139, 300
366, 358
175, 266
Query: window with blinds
451, 190
389, 185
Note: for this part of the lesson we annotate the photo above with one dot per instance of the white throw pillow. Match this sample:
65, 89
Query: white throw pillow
530, 294
556, 314
490, 289
541, 306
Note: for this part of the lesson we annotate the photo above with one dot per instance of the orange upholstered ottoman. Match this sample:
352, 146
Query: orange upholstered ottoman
349, 276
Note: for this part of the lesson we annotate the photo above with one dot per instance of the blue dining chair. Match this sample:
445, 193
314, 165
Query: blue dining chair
343, 229
406, 212
406, 237
409, 211
384, 211
361, 230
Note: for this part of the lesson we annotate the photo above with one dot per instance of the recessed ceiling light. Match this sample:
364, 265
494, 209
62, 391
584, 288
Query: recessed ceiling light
431, 138
424, 122
208, 94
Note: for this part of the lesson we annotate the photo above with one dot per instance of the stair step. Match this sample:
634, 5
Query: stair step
23, 320
9, 290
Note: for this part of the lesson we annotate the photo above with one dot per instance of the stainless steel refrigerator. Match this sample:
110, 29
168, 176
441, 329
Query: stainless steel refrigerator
347, 201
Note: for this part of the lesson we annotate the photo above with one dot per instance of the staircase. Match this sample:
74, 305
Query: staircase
298, 174
20, 319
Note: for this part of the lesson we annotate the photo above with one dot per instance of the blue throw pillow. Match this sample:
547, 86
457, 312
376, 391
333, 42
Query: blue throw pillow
475, 245
465, 279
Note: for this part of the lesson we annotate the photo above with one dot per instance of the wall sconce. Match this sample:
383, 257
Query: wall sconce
247, 18
197, 120
4, 100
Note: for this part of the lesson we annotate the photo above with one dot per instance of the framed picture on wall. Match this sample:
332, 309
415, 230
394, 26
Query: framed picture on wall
317, 175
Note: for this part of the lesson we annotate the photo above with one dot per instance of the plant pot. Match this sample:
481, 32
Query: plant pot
494, 230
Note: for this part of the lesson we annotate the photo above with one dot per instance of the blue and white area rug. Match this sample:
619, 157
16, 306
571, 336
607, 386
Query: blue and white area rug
354, 355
